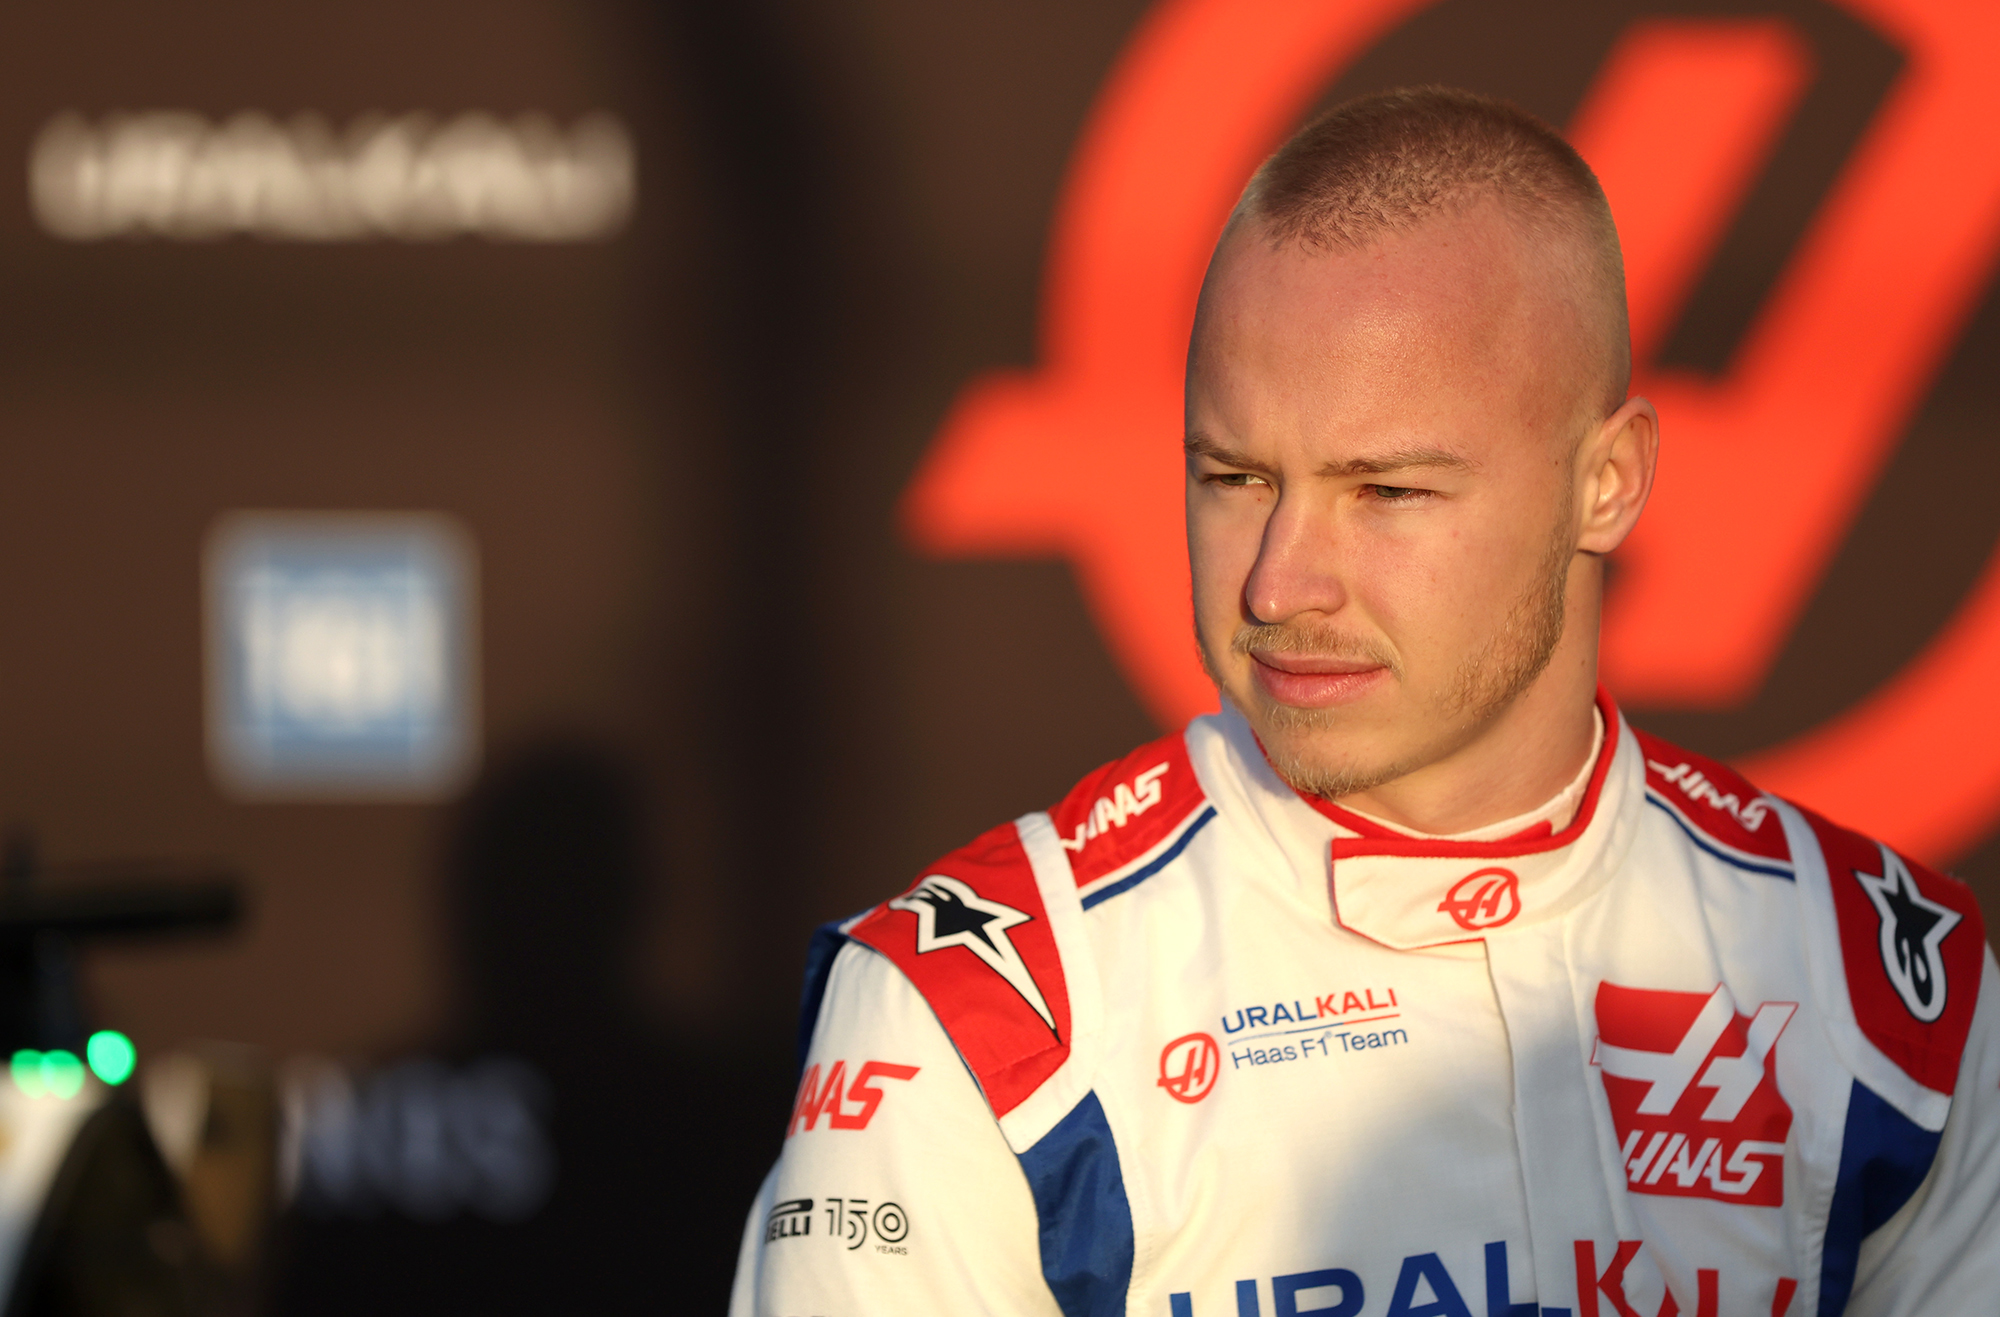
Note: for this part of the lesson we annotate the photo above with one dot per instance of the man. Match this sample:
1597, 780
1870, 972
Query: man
1415, 981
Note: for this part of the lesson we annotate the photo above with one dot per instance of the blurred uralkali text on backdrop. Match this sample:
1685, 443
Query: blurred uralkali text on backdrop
174, 174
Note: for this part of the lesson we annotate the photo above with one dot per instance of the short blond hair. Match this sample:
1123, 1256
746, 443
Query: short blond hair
1384, 164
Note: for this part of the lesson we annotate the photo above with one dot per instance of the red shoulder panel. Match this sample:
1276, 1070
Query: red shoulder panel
1714, 798
1126, 808
973, 935
1912, 943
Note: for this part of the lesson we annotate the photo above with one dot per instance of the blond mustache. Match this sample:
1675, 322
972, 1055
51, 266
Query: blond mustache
1320, 642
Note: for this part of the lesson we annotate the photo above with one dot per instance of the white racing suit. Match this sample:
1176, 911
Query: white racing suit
1189, 1045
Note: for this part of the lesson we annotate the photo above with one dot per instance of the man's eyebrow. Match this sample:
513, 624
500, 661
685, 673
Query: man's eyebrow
1400, 459
1200, 445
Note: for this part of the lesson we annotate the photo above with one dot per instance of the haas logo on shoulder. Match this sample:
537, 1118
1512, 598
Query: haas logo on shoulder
1692, 1094
1913, 926
950, 914
1127, 801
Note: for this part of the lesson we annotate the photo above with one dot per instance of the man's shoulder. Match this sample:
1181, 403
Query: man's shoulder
991, 935
1902, 944
1911, 947
978, 936
1130, 817
1719, 809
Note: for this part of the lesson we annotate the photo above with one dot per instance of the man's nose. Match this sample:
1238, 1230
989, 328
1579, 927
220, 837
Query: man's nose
1298, 565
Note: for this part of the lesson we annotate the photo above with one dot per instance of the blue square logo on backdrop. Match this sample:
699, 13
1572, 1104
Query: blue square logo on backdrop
341, 654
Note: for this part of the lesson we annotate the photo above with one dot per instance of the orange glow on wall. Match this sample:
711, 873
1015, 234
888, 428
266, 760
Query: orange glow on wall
1764, 467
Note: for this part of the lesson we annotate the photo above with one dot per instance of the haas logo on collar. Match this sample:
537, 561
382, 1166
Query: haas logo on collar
1692, 1095
1912, 927
1486, 898
950, 914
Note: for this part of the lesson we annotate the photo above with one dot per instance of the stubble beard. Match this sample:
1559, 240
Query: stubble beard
1486, 682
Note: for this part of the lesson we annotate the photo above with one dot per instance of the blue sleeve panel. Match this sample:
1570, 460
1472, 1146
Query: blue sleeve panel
1884, 1157
1086, 1224
826, 942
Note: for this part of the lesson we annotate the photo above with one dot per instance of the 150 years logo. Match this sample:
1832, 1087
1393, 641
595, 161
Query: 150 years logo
849, 1222
1679, 123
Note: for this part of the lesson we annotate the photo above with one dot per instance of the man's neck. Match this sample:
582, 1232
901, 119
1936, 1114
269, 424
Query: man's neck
1551, 816
1519, 761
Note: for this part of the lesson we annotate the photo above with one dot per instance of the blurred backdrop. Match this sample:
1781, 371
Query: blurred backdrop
560, 498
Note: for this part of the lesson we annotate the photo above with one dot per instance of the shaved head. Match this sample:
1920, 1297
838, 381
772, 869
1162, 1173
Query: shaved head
1409, 449
1389, 163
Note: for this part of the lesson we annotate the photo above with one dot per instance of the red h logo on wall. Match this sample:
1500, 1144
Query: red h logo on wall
1693, 1098
1679, 125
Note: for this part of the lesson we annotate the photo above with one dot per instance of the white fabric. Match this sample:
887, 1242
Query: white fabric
1452, 1100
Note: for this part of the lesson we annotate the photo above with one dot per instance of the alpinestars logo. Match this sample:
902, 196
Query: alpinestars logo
950, 914
1912, 927
1692, 1094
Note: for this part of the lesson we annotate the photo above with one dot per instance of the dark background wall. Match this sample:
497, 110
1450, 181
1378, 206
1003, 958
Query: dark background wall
723, 698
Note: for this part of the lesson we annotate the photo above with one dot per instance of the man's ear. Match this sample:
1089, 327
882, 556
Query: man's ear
1615, 475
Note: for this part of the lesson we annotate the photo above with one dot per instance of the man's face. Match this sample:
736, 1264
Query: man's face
1381, 491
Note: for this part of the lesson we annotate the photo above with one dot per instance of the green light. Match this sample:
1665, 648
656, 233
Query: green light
62, 1074
27, 1070
112, 1056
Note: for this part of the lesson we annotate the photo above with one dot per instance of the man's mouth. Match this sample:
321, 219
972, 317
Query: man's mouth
1310, 681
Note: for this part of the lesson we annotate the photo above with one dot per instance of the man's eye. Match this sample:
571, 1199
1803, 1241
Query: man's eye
1236, 479
1393, 493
